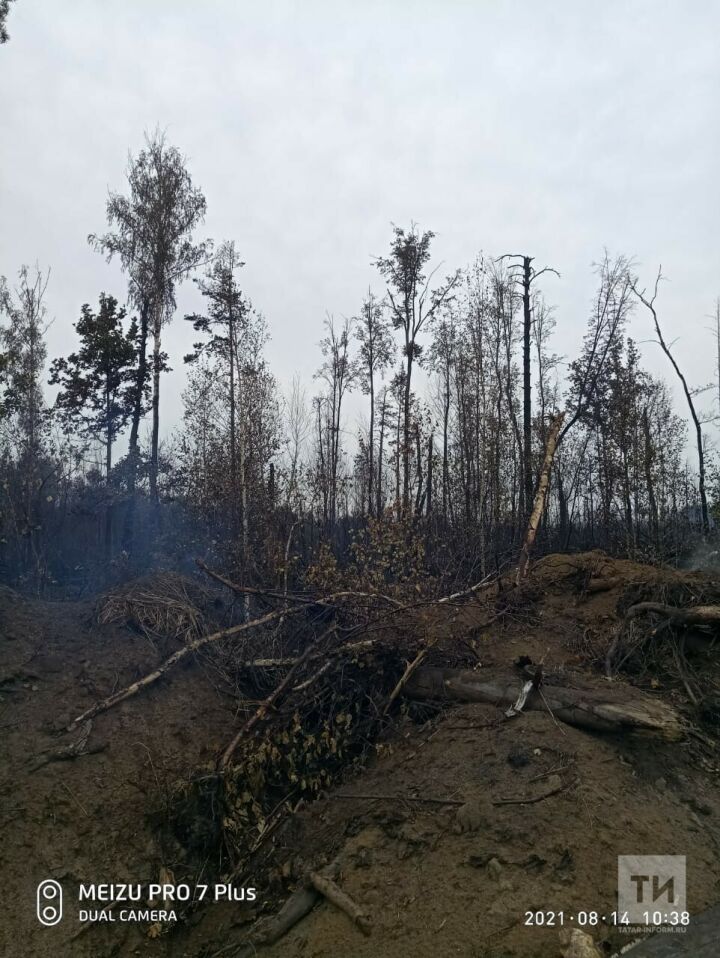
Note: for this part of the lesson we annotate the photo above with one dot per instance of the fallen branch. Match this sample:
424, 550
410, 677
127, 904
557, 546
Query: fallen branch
233, 631
364, 645
74, 750
250, 590
482, 586
313, 678
193, 646
293, 597
411, 666
535, 798
170, 663
270, 930
400, 798
328, 889
299, 904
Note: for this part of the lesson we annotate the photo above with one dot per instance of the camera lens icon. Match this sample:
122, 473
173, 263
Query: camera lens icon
49, 902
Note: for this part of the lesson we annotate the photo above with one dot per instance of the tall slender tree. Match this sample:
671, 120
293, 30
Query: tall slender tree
413, 303
339, 372
151, 233
648, 300
26, 420
224, 324
377, 349
527, 276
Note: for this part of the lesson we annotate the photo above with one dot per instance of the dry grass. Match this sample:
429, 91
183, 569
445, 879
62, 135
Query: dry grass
165, 605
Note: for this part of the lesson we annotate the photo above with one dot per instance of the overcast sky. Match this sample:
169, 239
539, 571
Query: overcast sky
553, 128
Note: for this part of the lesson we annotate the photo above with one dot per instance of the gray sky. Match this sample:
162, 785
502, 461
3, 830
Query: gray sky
552, 128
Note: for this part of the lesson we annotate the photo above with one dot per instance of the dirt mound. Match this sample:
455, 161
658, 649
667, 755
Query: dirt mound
439, 877
459, 823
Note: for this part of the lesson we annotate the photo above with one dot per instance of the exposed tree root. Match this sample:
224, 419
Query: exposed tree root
696, 615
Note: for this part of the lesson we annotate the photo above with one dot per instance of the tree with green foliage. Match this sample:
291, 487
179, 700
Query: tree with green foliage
152, 236
98, 382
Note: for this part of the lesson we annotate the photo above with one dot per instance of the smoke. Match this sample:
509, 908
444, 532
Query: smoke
704, 558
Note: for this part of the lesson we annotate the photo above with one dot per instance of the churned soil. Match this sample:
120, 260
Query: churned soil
459, 825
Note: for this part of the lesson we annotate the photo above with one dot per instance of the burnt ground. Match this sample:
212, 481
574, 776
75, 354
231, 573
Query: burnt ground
438, 879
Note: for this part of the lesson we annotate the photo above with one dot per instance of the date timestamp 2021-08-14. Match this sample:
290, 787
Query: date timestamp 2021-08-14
590, 918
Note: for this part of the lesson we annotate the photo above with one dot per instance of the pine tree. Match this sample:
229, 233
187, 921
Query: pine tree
97, 383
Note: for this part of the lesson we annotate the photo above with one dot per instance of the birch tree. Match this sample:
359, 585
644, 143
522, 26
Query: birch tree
151, 234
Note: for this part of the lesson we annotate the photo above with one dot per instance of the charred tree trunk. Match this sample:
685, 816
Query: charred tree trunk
649, 481
429, 476
155, 442
133, 459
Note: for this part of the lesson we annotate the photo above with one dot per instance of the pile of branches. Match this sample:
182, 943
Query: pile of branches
325, 712
344, 662
165, 606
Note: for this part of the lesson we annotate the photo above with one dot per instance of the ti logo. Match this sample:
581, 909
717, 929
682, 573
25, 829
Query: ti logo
651, 883
49, 902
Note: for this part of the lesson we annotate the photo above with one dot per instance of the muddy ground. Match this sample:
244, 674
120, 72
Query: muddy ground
546, 808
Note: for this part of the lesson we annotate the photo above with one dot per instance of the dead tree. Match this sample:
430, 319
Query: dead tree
650, 304
529, 275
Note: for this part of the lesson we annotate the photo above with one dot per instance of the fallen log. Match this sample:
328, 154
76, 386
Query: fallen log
595, 707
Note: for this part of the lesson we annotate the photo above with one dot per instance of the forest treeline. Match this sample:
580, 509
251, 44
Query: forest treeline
460, 378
